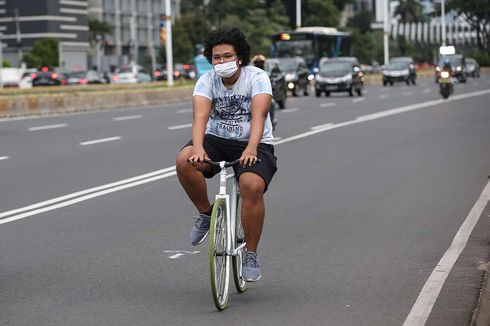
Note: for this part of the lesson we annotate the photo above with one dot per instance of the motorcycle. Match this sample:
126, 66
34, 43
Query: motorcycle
446, 86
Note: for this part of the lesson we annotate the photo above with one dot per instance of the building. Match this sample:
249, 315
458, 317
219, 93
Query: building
23, 22
136, 29
135, 23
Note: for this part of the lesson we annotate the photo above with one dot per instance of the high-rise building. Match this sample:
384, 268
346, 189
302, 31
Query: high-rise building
23, 22
135, 28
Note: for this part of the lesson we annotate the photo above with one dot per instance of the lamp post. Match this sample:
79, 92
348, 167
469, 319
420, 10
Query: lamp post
443, 22
386, 28
298, 13
168, 44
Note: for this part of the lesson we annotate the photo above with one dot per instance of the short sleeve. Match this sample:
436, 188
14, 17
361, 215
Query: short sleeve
261, 84
204, 86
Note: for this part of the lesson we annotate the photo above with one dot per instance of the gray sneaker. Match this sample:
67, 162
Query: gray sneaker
200, 230
251, 268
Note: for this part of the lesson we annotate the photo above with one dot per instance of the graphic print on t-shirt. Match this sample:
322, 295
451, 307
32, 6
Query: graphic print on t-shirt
230, 113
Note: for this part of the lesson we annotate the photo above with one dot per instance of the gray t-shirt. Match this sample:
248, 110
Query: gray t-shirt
231, 108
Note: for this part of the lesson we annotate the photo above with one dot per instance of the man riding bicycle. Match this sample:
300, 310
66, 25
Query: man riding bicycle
230, 121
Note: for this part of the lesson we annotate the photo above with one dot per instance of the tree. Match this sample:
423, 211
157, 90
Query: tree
321, 13
97, 30
43, 53
477, 14
361, 21
410, 11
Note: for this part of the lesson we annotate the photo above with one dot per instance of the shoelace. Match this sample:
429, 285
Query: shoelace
251, 259
200, 222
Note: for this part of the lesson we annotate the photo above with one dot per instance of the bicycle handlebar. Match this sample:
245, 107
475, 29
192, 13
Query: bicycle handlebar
215, 163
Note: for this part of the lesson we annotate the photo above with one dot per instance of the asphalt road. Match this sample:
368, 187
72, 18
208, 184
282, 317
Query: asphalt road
370, 193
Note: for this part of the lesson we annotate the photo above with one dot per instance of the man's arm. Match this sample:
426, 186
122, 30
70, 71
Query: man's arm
201, 110
260, 109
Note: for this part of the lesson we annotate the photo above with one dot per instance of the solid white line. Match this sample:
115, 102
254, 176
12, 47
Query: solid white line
329, 104
188, 125
61, 125
86, 197
87, 191
425, 302
4, 158
96, 141
360, 99
322, 126
128, 117
184, 111
383, 96
289, 110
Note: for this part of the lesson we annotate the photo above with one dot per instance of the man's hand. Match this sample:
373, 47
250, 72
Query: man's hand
249, 156
198, 154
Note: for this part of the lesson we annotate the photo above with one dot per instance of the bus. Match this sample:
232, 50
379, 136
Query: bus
312, 44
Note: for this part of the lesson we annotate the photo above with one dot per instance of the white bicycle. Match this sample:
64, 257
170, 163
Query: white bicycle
226, 238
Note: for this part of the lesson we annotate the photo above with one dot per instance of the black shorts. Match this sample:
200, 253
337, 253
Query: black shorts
221, 149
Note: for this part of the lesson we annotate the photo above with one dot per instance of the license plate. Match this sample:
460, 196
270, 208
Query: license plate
331, 88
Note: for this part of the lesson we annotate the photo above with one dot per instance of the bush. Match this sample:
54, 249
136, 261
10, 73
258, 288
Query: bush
482, 58
6, 64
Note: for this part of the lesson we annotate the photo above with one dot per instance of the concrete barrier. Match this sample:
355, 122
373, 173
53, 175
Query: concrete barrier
26, 103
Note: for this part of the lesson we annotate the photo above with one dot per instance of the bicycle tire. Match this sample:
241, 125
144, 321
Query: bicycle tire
240, 283
219, 261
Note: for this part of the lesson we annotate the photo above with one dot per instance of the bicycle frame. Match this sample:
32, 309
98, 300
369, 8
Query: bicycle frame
232, 213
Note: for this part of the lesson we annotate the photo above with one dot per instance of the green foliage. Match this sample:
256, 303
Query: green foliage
6, 64
97, 30
189, 30
410, 11
43, 53
321, 13
482, 58
361, 21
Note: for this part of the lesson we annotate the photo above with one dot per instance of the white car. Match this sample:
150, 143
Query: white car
130, 75
16, 77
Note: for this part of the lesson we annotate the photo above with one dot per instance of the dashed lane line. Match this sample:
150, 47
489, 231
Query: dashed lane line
4, 158
128, 117
328, 104
60, 125
97, 141
188, 125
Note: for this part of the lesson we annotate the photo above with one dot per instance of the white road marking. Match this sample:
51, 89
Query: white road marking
71, 199
97, 141
277, 138
325, 125
184, 111
128, 117
60, 125
188, 125
289, 110
427, 90
427, 298
359, 99
328, 104
178, 253
4, 158
383, 96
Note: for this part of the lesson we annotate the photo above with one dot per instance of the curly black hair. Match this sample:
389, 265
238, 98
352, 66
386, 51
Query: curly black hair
233, 37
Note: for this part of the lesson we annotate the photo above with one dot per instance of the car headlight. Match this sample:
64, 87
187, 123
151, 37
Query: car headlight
311, 77
405, 72
458, 68
291, 85
438, 68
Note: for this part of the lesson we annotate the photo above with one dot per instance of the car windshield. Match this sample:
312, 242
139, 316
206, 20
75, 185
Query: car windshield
125, 70
288, 65
336, 66
397, 65
455, 61
77, 74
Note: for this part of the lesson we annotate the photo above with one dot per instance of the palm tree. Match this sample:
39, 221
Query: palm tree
410, 11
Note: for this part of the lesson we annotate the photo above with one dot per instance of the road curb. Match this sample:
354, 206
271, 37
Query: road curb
481, 316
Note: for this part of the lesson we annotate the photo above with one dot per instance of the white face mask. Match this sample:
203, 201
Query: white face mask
226, 69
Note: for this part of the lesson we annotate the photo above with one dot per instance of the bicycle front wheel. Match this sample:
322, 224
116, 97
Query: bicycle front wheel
240, 283
219, 261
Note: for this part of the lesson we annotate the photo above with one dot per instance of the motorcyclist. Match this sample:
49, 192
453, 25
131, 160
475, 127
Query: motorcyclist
447, 66
259, 62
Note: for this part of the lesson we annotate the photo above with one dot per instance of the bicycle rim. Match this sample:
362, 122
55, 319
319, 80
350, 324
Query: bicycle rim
240, 283
219, 261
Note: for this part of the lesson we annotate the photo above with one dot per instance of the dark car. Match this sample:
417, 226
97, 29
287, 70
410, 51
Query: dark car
353, 60
411, 67
49, 77
162, 74
458, 67
278, 82
398, 71
84, 78
296, 74
338, 76
185, 70
472, 68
